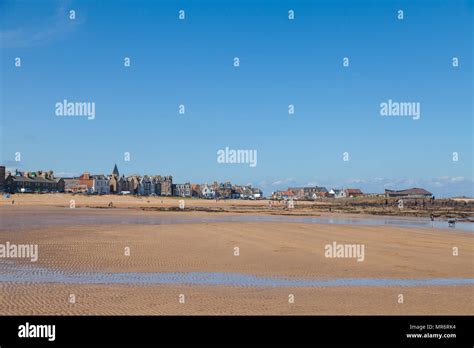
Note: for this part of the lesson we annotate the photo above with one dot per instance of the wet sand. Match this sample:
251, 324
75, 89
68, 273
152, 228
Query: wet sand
25, 217
283, 249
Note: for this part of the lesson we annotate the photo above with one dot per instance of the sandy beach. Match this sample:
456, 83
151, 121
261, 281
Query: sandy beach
355, 208
92, 238
52, 299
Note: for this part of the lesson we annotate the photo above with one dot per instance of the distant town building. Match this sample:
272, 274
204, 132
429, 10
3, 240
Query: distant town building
133, 184
223, 190
2, 178
114, 181
182, 190
34, 182
242, 192
207, 191
146, 186
257, 193
73, 185
410, 193
85, 180
285, 195
100, 184
122, 184
165, 185
352, 193
317, 195
308, 192
195, 190
337, 193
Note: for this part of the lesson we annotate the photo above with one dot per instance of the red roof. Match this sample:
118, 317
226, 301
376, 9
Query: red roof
288, 193
353, 192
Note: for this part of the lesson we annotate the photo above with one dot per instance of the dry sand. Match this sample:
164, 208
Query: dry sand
52, 299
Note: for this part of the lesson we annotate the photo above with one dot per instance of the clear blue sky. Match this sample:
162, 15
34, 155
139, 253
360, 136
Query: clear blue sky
283, 62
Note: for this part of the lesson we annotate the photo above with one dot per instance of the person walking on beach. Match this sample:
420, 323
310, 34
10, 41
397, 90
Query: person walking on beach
432, 219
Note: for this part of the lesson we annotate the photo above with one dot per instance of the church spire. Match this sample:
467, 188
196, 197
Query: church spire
116, 172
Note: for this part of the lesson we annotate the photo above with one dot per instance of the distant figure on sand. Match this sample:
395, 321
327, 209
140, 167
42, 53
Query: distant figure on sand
111, 205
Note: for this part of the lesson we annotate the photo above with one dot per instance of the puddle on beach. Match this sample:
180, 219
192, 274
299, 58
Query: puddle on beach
18, 273
79, 216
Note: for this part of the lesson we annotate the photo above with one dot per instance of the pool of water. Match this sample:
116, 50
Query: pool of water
11, 272
86, 216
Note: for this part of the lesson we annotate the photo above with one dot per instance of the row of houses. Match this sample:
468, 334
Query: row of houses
227, 191
30, 182
316, 192
44, 181
115, 183
157, 185
132, 184
146, 185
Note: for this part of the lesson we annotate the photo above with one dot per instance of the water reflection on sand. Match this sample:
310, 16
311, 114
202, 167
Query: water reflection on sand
20, 273
26, 218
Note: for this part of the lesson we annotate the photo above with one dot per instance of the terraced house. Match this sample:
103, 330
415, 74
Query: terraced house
146, 186
165, 184
311, 192
100, 184
182, 190
33, 182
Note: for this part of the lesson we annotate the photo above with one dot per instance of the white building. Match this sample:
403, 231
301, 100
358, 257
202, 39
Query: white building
100, 184
257, 193
337, 193
207, 191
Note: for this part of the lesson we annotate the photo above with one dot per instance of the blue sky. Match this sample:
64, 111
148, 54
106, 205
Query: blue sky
283, 62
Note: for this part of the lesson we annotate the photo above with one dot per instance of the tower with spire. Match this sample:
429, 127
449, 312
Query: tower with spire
114, 181
115, 171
